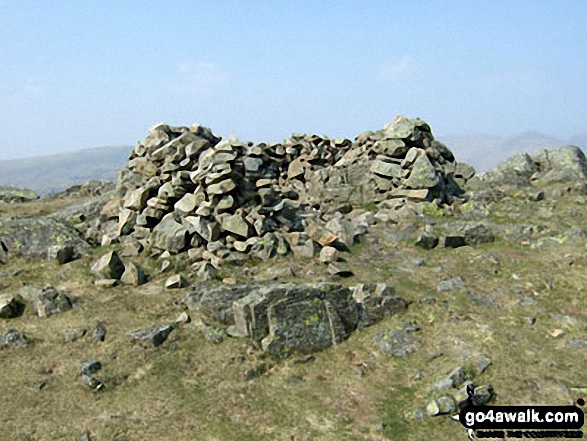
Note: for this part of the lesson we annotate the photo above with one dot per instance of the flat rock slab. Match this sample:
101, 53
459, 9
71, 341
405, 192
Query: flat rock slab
33, 236
152, 337
215, 303
396, 343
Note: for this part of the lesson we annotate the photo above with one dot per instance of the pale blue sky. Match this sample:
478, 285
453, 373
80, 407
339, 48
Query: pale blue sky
77, 74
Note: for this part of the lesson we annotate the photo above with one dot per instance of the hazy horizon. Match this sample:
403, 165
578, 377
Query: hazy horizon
76, 76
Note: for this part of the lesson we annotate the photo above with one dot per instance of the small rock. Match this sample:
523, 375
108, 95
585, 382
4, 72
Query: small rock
341, 269
183, 318
106, 283
427, 241
10, 306
329, 254
176, 282
90, 367
481, 300
99, 333
109, 266
441, 406
13, 338
153, 337
71, 335
133, 275
558, 333
93, 382
453, 284
397, 343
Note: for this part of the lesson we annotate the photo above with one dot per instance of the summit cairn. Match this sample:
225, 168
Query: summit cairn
184, 188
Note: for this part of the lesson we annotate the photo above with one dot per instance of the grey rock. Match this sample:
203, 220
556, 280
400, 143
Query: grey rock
13, 338
170, 236
441, 406
33, 236
340, 268
133, 275
109, 266
11, 306
175, 282
423, 174
481, 300
13, 194
90, 367
99, 333
427, 241
453, 284
71, 334
50, 302
377, 301
396, 343
152, 337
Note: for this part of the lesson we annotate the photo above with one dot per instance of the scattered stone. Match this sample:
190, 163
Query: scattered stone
48, 302
483, 364
377, 301
481, 300
13, 194
183, 318
90, 367
71, 335
133, 275
92, 382
152, 337
453, 284
427, 241
109, 266
441, 406
13, 338
396, 343
329, 255
99, 333
176, 282
340, 268
11, 306
106, 283
558, 333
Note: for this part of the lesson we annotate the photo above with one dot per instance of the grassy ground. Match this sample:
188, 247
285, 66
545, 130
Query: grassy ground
192, 389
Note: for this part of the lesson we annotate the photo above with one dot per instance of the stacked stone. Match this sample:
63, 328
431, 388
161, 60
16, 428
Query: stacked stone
225, 200
402, 161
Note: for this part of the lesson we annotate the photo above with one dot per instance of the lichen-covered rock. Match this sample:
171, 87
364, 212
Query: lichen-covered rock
377, 301
33, 236
12, 194
170, 236
13, 338
396, 343
314, 304
50, 302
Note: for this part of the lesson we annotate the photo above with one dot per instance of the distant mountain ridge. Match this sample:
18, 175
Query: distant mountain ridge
53, 173
485, 152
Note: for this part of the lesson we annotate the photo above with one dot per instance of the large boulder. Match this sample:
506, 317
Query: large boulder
12, 194
303, 318
33, 237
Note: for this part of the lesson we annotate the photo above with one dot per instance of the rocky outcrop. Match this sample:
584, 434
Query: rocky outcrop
34, 236
565, 164
292, 318
12, 194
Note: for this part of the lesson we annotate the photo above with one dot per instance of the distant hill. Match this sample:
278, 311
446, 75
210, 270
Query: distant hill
485, 152
52, 173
